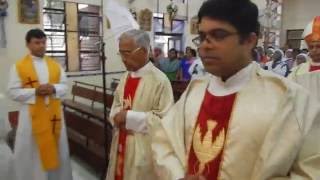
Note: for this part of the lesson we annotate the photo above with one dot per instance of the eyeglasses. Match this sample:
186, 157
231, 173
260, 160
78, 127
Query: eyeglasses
216, 35
127, 53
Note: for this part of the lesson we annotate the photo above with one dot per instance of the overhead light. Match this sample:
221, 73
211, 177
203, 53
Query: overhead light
83, 6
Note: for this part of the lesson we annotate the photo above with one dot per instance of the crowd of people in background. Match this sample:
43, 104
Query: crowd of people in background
178, 65
280, 61
184, 65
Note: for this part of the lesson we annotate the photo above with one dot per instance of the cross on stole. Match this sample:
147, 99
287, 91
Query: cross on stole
54, 121
30, 82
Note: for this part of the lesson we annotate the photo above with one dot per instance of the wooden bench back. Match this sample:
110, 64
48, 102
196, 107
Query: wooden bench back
91, 129
13, 118
91, 92
82, 92
92, 148
108, 100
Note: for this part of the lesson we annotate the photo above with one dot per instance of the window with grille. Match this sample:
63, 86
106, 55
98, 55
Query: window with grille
294, 38
54, 27
168, 34
74, 34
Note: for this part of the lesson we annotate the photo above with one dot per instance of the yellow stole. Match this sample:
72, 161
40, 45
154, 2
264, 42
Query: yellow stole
46, 118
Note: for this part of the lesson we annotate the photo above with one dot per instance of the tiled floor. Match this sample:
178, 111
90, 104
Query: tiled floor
81, 171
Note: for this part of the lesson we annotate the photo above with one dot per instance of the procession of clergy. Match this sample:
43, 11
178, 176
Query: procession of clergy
238, 121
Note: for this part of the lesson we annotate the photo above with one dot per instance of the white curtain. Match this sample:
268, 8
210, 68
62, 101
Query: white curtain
120, 18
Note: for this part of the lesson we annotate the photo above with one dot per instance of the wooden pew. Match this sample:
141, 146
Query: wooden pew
11, 136
13, 118
87, 139
85, 124
91, 94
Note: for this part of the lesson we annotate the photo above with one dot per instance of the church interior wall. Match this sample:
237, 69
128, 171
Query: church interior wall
297, 14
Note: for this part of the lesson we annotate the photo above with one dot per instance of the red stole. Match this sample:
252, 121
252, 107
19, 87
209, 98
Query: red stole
129, 94
207, 147
314, 68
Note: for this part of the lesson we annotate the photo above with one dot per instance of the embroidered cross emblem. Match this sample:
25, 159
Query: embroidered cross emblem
54, 121
30, 82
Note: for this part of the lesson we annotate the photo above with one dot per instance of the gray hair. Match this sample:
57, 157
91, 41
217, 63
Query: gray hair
141, 38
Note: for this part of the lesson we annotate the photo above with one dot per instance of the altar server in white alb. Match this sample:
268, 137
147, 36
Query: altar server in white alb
38, 83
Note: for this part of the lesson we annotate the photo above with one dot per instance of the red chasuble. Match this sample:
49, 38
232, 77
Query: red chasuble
209, 136
314, 68
129, 92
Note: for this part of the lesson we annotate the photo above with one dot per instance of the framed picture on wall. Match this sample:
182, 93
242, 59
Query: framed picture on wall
167, 23
28, 11
145, 19
194, 26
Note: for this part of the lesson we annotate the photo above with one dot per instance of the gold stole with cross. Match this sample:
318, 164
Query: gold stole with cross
45, 118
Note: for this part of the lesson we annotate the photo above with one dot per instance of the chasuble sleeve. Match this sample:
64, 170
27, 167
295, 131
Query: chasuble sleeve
162, 102
144, 121
307, 164
136, 121
62, 87
16, 92
167, 163
116, 105
307, 115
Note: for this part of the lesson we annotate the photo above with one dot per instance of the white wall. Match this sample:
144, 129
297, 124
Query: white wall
15, 50
297, 14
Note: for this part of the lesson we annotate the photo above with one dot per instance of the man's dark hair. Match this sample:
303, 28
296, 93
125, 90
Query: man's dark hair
297, 50
194, 53
173, 50
35, 33
242, 14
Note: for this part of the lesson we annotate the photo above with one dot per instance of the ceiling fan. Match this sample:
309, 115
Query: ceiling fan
130, 1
